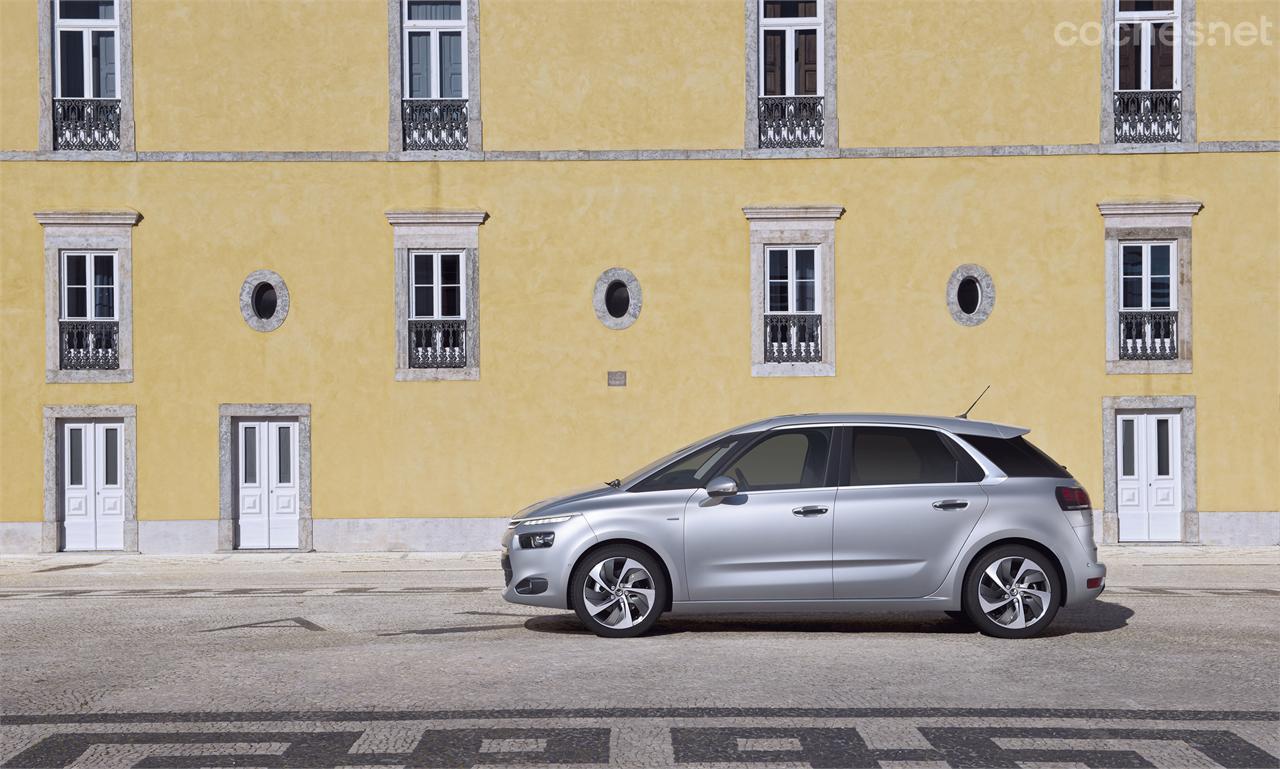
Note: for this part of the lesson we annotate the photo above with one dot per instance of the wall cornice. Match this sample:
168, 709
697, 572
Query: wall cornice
437, 218
793, 213
88, 218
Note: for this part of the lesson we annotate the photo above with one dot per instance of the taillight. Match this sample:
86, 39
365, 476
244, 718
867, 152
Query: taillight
1072, 498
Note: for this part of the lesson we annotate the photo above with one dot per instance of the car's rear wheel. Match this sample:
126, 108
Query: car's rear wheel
618, 591
1012, 591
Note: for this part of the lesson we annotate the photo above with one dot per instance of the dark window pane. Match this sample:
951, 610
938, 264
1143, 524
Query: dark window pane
1133, 260
264, 301
111, 456
449, 272
806, 62
692, 470
75, 453
1129, 57
804, 264
71, 65
422, 269
423, 302
76, 273
419, 65
450, 302
1017, 457
1131, 6
897, 455
450, 65
790, 9
435, 10
284, 450
1132, 294
250, 455
778, 297
1159, 293
967, 468
804, 296
1161, 57
104, 302
1127, 449
775, 63
1162, 447
77, 303
794, 459
617, 299
103, 270
86, 9
1159, 260
777, 265
104, 65
968, 295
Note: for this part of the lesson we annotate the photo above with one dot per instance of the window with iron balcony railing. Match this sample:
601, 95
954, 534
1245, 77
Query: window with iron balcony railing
790, 104
86, 104
1149, 335
793, 338
433, 113
1147, 95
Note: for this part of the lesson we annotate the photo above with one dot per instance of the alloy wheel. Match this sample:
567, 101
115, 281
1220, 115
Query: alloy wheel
1015, 592
618, 593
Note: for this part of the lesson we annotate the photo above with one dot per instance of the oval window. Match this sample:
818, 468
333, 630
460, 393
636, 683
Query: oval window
264, 300
617, 299
968, 295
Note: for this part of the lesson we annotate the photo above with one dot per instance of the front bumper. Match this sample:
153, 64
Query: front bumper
540, 576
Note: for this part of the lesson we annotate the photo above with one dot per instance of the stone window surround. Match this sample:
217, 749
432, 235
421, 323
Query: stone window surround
246, 300
124, 10
395, 70
89, 230
608, 278
227, 414
1188, 70
437, 231
986, 297
1184, 405
830, 119
50, 530
1146, 221
793, 226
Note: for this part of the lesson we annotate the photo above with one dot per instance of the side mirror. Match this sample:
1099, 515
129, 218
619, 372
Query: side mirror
722, 486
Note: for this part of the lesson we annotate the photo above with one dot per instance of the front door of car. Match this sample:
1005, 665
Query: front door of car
908, 499
771, 540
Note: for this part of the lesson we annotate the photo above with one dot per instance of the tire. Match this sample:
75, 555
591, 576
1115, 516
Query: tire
611, 611
1012, 591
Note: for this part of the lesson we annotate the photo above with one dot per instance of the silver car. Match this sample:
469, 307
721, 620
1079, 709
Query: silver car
819, 512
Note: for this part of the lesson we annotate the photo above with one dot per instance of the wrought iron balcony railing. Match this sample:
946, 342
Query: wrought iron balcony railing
792, 338
788, 122
1149, 335
434, 124
89, 344
86, 124
437, 344
1146, 117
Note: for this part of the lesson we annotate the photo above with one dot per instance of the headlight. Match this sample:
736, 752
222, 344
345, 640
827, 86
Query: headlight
542, 521
537, 539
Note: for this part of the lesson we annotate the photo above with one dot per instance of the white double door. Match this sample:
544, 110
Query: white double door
1149, 477
92, 485
267, 484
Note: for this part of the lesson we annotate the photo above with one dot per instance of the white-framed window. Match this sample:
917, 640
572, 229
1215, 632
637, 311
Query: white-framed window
1148, 45
89, 285
435, 49
437, 285
1148, 276
86, 49
792, 275
791, 48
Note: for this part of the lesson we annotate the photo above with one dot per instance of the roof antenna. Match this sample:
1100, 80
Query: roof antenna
965, 415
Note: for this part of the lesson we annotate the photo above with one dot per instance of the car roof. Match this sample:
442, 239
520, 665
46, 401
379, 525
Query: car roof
951, 424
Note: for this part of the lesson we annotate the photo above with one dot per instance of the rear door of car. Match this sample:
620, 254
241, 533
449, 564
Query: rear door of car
908, 498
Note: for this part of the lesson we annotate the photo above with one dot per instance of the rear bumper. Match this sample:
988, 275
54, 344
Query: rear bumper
1091, 574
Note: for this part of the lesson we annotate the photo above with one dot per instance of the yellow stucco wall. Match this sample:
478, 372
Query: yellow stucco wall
541, 419
19, 84
1238, 75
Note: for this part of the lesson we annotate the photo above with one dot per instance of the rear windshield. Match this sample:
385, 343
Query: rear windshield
1017, 457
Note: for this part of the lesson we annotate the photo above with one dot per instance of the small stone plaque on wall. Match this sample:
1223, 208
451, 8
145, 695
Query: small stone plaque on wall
617, 379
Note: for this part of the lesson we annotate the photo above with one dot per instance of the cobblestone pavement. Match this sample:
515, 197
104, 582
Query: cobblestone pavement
322, 660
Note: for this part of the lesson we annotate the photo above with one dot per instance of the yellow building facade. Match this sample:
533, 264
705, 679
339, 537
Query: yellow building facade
375, 274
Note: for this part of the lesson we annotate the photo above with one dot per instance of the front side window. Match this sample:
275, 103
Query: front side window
793, 325
789, 459
88, 325
1148, 71
693, 470
435, 76
879, 456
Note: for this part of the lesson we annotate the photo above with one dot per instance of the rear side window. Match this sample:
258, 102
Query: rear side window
791, 459
693, 470
1017, 457
877, 456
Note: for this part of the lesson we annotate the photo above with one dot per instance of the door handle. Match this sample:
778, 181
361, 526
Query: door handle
809, 510
951, 504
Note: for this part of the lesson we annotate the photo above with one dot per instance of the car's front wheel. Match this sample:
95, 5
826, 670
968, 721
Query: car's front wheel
618, 591
1012, 591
